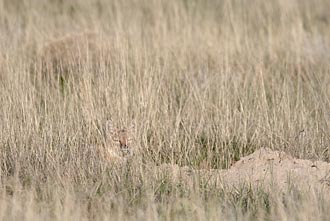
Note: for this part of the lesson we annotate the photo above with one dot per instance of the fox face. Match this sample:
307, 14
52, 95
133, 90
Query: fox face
123, 137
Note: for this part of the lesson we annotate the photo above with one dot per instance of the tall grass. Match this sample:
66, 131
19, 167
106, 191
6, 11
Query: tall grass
206, 82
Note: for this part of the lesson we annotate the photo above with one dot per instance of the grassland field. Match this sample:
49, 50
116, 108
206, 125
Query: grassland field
206, 82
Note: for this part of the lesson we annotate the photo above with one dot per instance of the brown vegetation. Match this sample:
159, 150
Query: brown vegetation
66, 59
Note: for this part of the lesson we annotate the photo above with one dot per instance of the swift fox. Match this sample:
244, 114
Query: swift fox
117, 143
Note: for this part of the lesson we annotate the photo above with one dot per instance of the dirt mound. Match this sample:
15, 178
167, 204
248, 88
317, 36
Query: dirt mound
264, 168
277, 168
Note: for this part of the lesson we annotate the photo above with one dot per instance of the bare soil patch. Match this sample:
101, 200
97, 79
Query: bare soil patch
277, 168
264, 168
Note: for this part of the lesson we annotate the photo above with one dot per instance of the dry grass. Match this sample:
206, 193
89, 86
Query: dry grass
206, 81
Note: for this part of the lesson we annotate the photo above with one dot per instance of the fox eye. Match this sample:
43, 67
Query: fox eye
115, 139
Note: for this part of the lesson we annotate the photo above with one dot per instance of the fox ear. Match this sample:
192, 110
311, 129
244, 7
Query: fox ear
111, 131
131, 127
109, 126
131, 131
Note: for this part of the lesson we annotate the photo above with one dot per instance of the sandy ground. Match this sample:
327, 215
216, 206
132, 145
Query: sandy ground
264, 167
